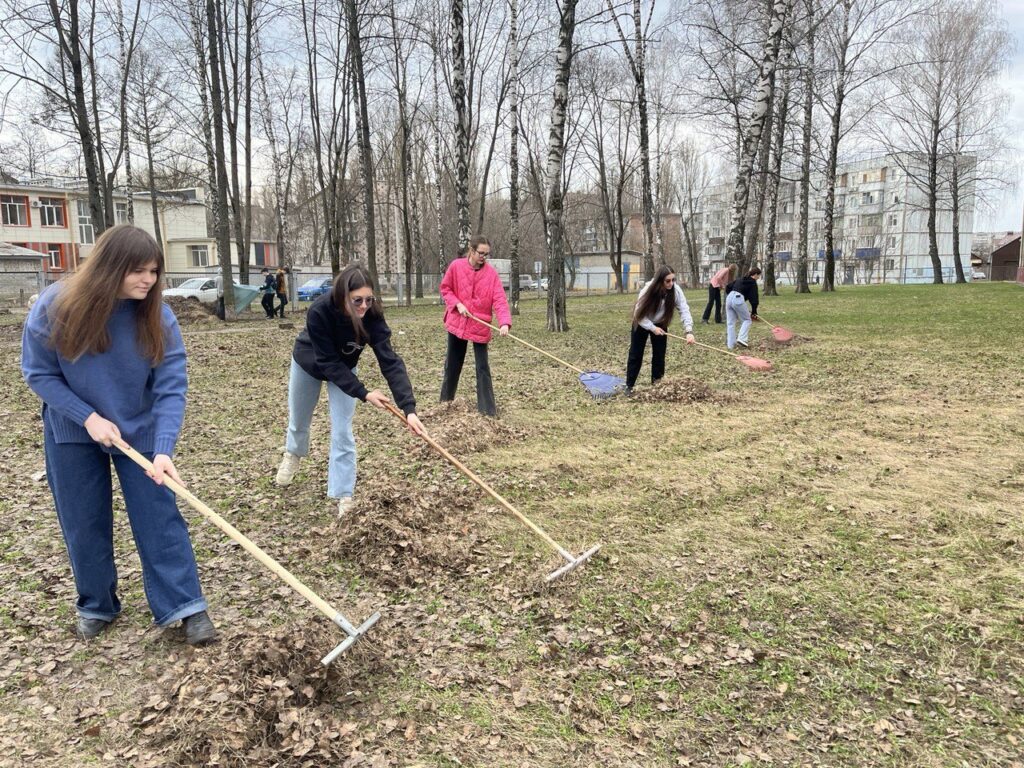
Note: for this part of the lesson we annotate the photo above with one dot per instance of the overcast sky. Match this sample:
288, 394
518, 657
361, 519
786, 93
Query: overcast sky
1010, 208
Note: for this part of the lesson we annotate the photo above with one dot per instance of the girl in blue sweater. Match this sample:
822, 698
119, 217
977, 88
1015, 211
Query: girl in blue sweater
105, 355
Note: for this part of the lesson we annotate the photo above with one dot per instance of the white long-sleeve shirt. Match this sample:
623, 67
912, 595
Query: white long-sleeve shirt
647, 323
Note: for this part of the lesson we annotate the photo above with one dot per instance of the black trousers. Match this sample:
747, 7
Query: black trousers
637, 343
714, 297
284, 300
267, 302
453, 361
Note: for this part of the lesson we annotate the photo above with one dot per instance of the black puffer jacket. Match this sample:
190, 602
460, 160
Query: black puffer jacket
748, 287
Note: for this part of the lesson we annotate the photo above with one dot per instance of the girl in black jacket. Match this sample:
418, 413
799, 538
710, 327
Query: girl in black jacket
738, 293
339, 325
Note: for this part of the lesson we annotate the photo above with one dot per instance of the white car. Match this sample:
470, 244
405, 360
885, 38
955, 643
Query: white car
977, 274
202, 289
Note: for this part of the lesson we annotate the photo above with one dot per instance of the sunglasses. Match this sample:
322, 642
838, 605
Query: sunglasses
358, 301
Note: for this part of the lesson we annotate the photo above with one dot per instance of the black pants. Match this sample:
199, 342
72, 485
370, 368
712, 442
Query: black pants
637, 343
714, 297
284, 300
453, 361
267, 303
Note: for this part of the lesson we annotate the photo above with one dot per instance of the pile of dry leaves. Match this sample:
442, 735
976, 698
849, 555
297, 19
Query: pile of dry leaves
460, 429
404, 531
683, 390
258, 700
190, 311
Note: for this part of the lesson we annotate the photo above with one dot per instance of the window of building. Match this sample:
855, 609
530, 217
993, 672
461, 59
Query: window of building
895, 198
121, 213
14, 210
890, 241
200, 255
890, 264
51, 211
871, 220
55, 254
867, 198
893, 220
86, 233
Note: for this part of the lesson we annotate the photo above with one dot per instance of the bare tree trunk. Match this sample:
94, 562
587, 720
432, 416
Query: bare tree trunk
70, 41
954, 189
513, 161
805, 165
755, 126
277, 172
363, 131
933, 194
828, 282
217, 108
442, 261
461, 122
775, 179
405, 159
556, 154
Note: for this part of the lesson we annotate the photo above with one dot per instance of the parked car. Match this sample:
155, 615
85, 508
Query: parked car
315, 287
527, 283
543, 283
202, 289
977, 274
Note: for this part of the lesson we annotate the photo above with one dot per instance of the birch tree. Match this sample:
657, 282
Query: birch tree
754, 128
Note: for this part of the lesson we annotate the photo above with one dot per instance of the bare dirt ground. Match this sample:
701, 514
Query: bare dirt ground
820, 565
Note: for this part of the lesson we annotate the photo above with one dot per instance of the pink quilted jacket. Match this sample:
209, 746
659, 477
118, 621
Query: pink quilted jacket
480, 290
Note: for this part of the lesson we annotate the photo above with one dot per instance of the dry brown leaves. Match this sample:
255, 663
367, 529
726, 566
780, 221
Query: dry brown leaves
683, 390
190, 312
258, 700
457, 427
403, 531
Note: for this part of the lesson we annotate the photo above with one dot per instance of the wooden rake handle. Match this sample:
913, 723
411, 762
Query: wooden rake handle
279, 570
701, 344
479, 481
528, 344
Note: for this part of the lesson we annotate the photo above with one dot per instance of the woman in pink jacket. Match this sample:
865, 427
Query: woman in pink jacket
472, 286
722, 277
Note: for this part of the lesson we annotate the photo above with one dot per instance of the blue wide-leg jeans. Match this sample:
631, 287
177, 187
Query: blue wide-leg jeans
82, 487
303, 394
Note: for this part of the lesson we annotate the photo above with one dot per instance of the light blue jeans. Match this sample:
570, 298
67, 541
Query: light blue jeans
303, 394
736, 309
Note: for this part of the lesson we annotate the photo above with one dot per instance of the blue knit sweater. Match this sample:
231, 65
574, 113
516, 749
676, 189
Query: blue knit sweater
147, 404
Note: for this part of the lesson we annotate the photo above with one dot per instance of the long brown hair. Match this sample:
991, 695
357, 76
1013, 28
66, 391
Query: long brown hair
352, 278
80, 312
657, 302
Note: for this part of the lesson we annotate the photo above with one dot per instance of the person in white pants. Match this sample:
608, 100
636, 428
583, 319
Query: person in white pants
738, 293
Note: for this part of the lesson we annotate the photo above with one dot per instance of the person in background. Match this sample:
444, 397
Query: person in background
105, 355
651, 318
721, 278
269, 291
737, 294
281, 287
339, 325
472, 288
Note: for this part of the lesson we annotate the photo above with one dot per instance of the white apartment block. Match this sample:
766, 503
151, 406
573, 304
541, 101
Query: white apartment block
51, 216
881, 227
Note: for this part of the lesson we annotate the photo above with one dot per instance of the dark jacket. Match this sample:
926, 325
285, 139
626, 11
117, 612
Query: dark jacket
327, 350
748, 287
270, 283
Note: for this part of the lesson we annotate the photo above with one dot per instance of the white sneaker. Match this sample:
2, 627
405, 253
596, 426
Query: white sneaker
286, 472
344, 505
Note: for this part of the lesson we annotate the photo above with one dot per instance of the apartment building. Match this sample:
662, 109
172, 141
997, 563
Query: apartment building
51, 216
881, 225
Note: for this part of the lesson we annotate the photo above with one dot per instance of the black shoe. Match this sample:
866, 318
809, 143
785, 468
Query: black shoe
87, 629
627, 391
718, 322
199, 630
704, 320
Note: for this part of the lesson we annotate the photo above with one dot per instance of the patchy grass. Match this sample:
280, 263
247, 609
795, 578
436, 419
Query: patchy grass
817, 566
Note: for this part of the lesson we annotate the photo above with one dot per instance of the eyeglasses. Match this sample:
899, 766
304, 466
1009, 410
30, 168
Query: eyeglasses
485, 254
358, 301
